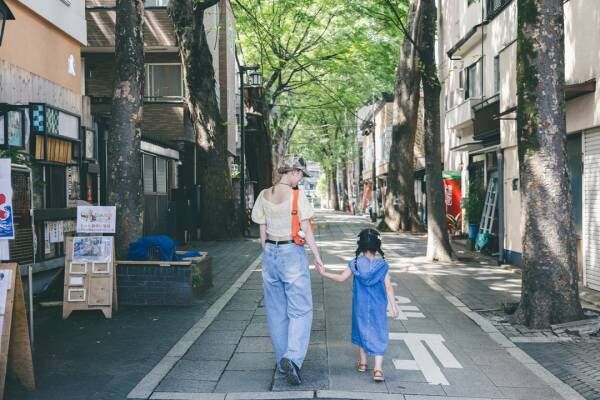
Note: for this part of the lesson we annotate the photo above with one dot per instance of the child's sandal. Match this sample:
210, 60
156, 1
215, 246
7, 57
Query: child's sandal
361, 367
378, 375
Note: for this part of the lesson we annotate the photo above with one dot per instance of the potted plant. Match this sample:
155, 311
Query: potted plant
474, 209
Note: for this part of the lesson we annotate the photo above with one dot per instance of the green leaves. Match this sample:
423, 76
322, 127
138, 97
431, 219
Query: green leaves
321, 60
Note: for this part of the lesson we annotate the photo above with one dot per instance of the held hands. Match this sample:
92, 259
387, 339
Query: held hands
319, 265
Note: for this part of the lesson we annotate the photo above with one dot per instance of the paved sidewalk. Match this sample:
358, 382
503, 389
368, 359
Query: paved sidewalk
438, 347
89, 358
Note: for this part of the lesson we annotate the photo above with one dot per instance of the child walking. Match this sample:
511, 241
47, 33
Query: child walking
372, 290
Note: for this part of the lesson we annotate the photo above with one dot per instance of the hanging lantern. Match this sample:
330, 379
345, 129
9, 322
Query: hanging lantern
5, 15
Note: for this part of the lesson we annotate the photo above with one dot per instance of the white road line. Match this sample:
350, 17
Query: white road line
283, 395
539, 339
342, 394
423, 361
146, 386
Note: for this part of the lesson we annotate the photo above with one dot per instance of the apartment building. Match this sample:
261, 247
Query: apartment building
45, 125
477, 63
171, 192
379, 119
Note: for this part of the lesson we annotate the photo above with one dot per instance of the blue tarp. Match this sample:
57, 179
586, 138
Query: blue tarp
140, 249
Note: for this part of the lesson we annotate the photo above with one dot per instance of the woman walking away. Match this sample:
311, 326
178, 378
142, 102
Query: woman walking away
286, 275
372, 290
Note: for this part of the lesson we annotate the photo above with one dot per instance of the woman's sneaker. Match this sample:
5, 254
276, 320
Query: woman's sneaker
291, 371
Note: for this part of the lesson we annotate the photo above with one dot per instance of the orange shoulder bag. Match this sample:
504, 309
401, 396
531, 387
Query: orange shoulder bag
297, 235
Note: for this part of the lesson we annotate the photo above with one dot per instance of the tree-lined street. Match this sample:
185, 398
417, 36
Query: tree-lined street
193, 137
441, 345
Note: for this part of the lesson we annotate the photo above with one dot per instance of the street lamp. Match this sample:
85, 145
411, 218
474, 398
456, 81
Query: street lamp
243, 72
370, 128
5, 15
255, 79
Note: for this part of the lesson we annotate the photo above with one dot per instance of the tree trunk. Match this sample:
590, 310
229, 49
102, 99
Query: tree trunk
333, 192
258, 139
216, 216
126, 190
345, 183
400, 207
549, 287
438, 242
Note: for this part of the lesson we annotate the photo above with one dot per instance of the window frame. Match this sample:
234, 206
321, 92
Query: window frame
5, 110
149, 83
497, 74
476, 67
155, 158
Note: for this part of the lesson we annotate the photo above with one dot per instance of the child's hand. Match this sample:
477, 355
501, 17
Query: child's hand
319, 266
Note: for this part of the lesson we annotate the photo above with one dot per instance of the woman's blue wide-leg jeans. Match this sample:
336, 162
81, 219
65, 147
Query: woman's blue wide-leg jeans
288, 300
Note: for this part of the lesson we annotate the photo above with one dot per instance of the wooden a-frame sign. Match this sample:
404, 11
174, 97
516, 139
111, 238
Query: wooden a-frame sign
15, 347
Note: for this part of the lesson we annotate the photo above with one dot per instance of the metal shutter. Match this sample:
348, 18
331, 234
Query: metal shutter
591, 210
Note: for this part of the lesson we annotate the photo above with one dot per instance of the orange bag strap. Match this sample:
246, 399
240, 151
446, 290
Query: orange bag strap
295, 216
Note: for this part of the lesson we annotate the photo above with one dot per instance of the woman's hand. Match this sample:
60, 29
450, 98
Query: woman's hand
319, 265
395, 311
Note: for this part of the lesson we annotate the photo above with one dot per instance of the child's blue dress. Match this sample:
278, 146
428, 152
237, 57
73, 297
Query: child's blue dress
369, 304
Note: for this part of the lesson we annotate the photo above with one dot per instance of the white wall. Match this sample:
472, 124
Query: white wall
582, 61
67, 15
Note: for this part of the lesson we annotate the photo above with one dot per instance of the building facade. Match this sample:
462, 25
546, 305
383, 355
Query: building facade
45, 125
55, 102
477, 63
170, 169
375, 124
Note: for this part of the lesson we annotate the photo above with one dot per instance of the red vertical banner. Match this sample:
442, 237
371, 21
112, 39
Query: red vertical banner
452, 195
366, 195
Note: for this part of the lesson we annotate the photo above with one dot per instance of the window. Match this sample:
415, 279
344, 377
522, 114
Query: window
155, 171
12, 129
161, 175
497, 74
148, 162
493, 6
156, 3
473, 83
164, 81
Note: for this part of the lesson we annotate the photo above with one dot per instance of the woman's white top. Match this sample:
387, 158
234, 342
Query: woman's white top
278, 216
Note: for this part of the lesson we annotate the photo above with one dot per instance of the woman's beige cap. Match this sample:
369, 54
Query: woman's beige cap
292, 163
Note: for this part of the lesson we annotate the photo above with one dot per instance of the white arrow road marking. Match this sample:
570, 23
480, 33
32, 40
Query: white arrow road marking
423, 360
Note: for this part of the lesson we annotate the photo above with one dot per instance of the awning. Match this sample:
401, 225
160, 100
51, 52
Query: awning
579, 89
469, 146
159, 150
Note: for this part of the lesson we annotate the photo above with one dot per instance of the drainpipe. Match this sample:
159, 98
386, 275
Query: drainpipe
500, 154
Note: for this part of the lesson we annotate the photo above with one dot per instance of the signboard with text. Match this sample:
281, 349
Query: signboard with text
96, 219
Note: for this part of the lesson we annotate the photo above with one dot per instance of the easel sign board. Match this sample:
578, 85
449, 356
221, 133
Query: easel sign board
15, 348
90, 279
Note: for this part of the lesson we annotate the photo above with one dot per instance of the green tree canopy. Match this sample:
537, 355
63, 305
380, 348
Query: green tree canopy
321, 61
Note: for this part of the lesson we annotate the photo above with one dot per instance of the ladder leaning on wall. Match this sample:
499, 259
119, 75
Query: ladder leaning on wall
487, 217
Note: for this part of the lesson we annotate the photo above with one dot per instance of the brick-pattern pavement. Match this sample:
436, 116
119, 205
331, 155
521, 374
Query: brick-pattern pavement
485, 288
234, 354
89, 357
576, 363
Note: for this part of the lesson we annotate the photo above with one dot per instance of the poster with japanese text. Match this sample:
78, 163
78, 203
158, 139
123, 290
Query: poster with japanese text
7, 228
98, 249
96, 219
